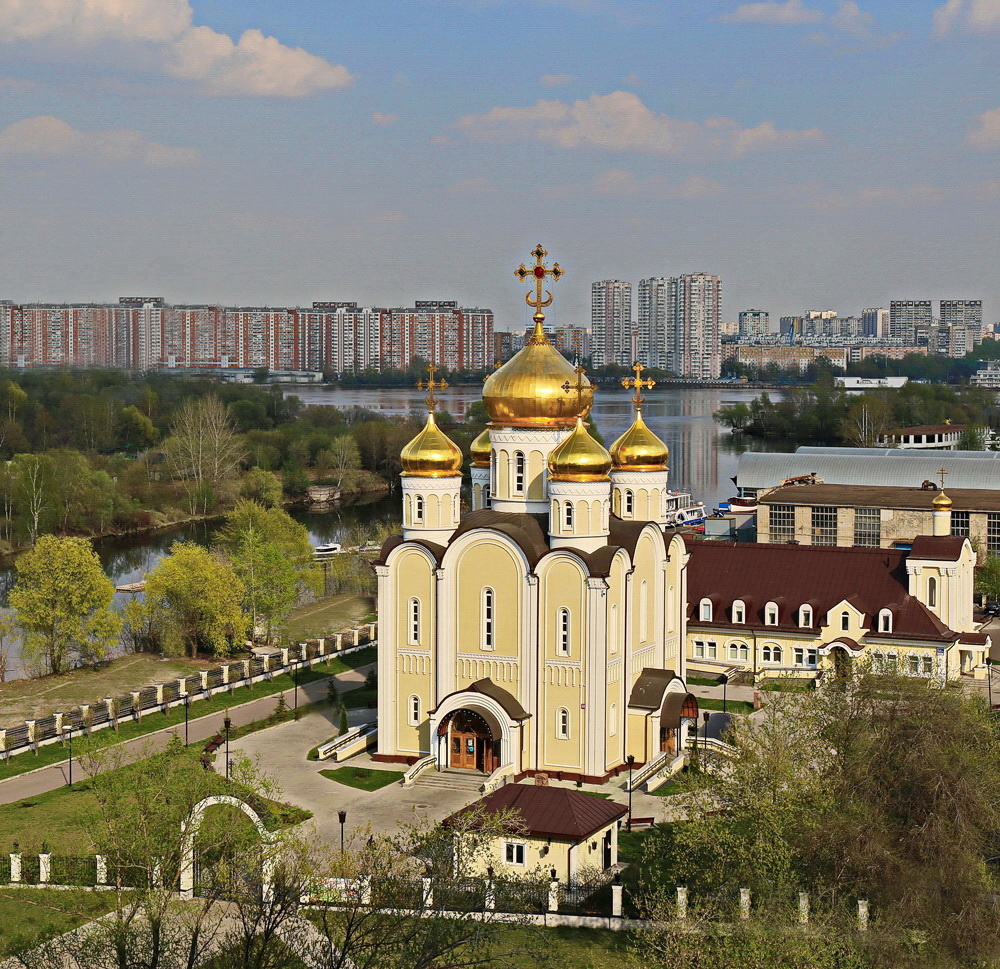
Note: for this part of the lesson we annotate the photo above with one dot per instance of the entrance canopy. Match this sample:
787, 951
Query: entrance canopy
677, 706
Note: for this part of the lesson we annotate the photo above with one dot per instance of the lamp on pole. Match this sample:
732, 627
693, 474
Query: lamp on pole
227, 723
725, 683
342, 817
295, 680
989, 679
69, 736
187, 707
630, 760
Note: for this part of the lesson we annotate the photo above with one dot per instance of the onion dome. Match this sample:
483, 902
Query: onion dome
480, 449
942, 502
579, 457
639, 449
431, 454
531, 389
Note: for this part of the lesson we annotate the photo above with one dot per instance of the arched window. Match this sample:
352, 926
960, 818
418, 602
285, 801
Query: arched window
885, 621
629, 502
739, 652
670, 609
568, 514
562, 723
705, 610
771, 654
413, 710
932, 592
771, 614
739, 611
878, 662
845, 621
488, 619
613, 720
805, 616
418, 508
414, 635
562, 620
518, 473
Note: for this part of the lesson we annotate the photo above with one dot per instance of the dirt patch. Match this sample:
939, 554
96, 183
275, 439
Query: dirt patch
329, 615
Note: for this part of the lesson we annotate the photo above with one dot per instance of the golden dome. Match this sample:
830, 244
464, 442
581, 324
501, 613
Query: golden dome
480, 449
639, 449
431, 454
530, 389
942, 502
579, 457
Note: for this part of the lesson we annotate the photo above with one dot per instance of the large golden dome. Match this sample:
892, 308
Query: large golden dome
579, 457
480, 449
942, 502
431, 454
639, 449
530, 389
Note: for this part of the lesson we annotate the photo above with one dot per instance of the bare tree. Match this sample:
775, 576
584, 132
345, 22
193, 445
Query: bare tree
868, 422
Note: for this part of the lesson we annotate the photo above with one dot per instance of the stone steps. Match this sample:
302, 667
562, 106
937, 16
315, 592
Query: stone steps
467, 783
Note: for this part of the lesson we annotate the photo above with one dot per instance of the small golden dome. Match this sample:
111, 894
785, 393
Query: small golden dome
639, 449
530, 389
431, 454
942, 502
579, 457
480, 449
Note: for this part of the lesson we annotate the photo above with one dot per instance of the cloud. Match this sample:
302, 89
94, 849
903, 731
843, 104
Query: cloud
52, 138
987, 134
616, 183
384, 119
787, 13
632, 80
698, 187
974, 16
555, 80
621, 122
886, 195
621, 184
254, 65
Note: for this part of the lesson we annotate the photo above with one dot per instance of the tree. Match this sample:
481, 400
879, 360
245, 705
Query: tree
262, 487
344, 455
61, 600
204, 451
270, 581
343, 727
34, 486
194, 601
988, 578
135, 430
867, 422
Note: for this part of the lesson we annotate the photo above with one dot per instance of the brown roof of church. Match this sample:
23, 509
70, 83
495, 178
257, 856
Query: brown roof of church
940, 548
872, 579
548, 812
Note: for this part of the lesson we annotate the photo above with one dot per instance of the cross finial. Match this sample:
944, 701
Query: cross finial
577, 388
637, 384
430, 385
942, 472
539, 273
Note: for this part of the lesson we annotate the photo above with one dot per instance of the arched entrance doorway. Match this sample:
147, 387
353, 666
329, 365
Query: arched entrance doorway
676, 707
471, 744
841, 662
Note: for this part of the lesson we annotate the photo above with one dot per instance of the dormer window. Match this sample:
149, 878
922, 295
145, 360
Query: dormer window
885, 621
739, 611
771, 614
705, 610
845, 622
805, 616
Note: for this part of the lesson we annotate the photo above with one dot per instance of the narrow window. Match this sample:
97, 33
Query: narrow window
932, 592
414, 639
706, 610
845, 621
414, 710
564, 632
739, 612
699, 649
629, 502
613, 720
518, 473
805, 616
771, 614
711, 650
928, 665
799, 654
418, 509
766, 653
885, 622
568, 514
812, 656
878, 662
613, 631
914, 665
488, 619
562, 723
776, 654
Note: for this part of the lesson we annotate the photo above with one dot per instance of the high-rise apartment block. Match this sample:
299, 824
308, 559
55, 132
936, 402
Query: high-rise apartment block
962, 312
905, 315
875, 322
651, 323
694, 313
611, 330
574, 341
754, 323
145, 333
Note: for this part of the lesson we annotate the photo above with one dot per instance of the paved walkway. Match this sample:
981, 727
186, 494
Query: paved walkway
199, 729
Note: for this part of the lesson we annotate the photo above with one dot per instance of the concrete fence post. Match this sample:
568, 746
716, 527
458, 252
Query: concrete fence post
225, 674
159, 694
372, 630
490, 896
682, 903
745, 904
85, 718
427, 891
44, 868
136, 704
284, 656
112, 707
3, 743
862, 914
58, 717
321, 646
30, 724
246, 671
338, 641
102, 870
803, 908
616, 899
204, 680
15, 867
554, 895
365, 890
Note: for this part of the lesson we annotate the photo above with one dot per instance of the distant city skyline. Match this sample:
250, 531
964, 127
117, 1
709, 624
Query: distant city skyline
809, 152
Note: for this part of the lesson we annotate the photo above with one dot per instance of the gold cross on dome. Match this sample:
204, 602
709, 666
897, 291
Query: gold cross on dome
637, 384
539, 273
430, 385
577, 388
942, 472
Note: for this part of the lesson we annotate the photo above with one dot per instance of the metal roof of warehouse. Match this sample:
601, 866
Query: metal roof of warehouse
894, 467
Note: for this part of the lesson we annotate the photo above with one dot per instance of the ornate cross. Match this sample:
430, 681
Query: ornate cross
577, 388
637, 384
942, 472
430, 385
539, 273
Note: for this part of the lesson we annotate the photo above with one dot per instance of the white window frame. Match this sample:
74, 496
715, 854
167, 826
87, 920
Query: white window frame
418, 509
739, 612
562, 723
812, 657
488, 614
799, 655
932, 591
927, 665
845, 622
520, 472
413, 709
629, 503
705, 609
511, 849
913, 664
771, 614
563, 631
738, 652
568, 514
805, 616
885, 621
413, 617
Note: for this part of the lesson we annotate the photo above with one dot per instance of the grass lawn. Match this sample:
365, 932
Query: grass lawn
328, 615
732, 706
673, 786
29, 914
569, 948
362, 778
130, 729
702, 681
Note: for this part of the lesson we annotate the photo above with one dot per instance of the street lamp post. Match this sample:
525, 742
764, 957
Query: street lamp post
342, 817
187, 707
227, 723
989, 679
69, 735
295, 680
725, 683
630, 760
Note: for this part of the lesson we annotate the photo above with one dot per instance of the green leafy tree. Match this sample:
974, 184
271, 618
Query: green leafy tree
61, 601
270, 582
194, 600
343, 721
988, 578
262, 487
135, 430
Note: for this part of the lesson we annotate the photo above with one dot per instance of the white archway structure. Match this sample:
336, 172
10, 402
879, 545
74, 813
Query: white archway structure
501, 724
189, 832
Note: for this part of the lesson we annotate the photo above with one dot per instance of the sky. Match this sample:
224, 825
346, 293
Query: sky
813, 153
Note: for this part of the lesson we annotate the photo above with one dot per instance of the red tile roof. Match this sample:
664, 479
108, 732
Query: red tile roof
941, 548
549, 812
823, 576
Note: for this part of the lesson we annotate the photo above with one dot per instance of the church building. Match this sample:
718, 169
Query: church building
543, 631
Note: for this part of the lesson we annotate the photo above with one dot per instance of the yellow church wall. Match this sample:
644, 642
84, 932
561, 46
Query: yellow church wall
616, 685
535, 462
414, 655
